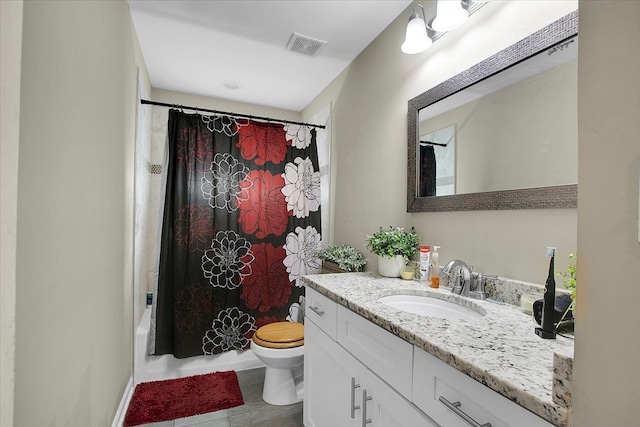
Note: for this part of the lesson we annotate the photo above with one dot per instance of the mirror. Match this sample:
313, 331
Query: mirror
471, 147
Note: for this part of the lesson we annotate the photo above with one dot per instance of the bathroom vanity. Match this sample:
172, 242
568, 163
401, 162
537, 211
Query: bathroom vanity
368, 363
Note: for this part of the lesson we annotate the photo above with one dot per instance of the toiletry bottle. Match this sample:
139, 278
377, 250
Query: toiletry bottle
425, 260
435, 268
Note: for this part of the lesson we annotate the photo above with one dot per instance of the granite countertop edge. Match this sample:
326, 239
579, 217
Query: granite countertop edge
359, 292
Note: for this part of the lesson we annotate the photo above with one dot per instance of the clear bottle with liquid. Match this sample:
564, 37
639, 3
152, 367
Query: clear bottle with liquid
435, 268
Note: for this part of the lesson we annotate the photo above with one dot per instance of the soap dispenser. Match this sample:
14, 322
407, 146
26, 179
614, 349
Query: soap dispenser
435, 268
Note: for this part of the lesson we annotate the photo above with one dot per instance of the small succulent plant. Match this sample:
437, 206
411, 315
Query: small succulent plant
347, 257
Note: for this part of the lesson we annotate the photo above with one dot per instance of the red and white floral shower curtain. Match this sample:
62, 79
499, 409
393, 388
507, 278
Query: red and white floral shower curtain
241, 225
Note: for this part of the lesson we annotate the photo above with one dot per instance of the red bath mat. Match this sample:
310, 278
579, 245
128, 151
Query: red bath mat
157, 401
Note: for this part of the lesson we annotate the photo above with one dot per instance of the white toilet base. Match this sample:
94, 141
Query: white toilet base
284, 375
282, 386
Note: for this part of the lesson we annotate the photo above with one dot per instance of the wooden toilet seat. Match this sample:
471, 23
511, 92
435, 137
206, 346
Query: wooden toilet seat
280, 335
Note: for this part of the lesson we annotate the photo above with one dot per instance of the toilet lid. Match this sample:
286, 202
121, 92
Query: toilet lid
280, 335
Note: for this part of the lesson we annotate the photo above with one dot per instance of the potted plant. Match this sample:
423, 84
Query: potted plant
394, 247
569, 283
346, 258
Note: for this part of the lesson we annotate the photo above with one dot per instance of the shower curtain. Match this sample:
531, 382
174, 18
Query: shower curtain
427, 171
241, 225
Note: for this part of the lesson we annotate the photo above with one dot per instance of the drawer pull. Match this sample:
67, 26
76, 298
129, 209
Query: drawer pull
317, 310
455, 407
354, 386
365, 399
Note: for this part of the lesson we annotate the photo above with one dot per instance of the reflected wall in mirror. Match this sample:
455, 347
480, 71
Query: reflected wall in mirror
514, 121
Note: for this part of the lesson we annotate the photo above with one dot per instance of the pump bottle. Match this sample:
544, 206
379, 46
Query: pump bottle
435, 268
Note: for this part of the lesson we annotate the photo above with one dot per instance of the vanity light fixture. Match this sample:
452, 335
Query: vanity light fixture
450, 15
416, 39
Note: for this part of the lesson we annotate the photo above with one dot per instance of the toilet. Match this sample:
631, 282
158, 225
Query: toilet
280, 346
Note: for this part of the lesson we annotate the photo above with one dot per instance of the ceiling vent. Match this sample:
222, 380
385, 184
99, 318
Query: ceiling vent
305, 45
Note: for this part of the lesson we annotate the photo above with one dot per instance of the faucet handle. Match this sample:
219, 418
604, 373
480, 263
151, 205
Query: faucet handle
459, 283
477, 288
480, 281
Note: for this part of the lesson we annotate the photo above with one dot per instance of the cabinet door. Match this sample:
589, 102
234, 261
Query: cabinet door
390, 357
332, 382
386, 408
451, 397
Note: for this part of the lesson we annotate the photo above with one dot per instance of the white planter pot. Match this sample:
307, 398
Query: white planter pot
390, 267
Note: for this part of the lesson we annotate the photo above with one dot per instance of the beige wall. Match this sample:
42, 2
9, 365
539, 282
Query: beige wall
607, 374
75, 213
369, 119
10, 54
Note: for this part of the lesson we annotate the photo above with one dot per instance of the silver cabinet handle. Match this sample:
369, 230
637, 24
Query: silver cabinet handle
354, 386
455, 407
316, 310
365, 399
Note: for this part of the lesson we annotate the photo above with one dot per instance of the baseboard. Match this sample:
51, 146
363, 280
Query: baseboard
118, 420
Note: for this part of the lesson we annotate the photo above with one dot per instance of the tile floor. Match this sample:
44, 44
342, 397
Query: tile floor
254, 412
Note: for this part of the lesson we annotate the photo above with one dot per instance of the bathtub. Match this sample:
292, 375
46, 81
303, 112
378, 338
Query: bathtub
153, 368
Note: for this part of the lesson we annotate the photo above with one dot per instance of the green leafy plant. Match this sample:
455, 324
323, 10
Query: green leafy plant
569, 276
394, 241
347, 257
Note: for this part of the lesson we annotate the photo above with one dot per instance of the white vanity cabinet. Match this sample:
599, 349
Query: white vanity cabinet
358, 374
339, 389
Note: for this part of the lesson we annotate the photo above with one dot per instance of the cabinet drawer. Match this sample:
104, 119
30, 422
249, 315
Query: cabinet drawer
390, 357
321, 310
445, 393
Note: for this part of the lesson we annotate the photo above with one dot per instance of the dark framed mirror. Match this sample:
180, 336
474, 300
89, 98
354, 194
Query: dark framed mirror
485, 159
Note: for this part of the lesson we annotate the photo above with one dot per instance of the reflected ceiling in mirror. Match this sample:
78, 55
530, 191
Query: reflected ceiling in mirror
508, 154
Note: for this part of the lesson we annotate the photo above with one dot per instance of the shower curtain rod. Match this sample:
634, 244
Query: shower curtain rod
432, 143
226, 113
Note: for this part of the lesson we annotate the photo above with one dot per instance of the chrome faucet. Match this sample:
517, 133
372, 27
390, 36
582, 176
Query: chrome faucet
461, 272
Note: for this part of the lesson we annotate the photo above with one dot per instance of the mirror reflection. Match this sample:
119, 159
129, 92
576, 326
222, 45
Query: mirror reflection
437, 159
514, 130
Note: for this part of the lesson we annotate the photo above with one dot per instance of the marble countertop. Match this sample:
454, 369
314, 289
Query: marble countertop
499, 350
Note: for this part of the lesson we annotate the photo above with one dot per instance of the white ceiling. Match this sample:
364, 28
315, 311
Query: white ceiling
194, 46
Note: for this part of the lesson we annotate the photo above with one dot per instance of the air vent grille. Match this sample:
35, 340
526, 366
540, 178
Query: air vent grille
305, 45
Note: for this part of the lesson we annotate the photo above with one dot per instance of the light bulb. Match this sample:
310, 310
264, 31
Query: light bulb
450, 15
416, 39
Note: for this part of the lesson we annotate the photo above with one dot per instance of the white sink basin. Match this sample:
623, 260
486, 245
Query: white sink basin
432, 307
